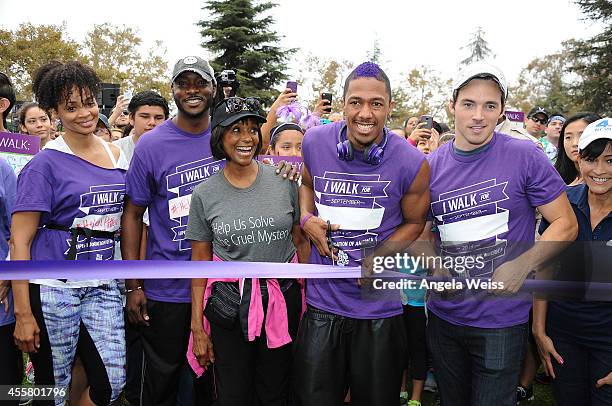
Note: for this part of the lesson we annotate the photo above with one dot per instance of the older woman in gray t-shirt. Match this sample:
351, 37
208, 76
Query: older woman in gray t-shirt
245, 213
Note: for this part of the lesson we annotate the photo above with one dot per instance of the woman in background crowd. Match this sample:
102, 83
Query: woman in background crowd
286, 140
35, 121
566, 162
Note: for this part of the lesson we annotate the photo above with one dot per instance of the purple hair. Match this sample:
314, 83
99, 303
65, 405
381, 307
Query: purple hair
368, 70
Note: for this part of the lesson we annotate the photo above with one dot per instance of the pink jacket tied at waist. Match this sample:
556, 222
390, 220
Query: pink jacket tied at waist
276, 324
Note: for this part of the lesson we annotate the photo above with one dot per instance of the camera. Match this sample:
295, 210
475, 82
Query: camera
227, 85
227, 78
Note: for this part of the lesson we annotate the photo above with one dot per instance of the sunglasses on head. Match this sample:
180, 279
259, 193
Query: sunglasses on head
539, 120
237, 104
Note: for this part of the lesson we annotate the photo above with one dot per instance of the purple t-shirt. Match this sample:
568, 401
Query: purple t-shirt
70, 192
8, 182
168, 163
366, 201
484, 204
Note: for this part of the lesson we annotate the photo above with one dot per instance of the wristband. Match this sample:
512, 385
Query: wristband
133, 290
305, 219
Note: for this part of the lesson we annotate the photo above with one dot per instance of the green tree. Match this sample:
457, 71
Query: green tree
239, 34
322, 75
25, 49
546, 82
152, 72
422, 91
478, 48
375, 54
115, 54
592, 60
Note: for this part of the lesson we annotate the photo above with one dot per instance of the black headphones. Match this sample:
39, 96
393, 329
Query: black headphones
373, 153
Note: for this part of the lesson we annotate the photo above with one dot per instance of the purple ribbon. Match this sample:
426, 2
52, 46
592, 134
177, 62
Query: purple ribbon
21, 270
286, 112
529, 285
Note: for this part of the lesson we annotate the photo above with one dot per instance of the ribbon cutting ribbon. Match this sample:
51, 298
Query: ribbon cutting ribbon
23, 270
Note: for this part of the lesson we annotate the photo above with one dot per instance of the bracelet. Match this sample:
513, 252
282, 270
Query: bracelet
305, 219
133, 290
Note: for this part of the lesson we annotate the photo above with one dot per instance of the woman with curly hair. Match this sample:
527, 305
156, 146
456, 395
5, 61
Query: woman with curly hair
70, 214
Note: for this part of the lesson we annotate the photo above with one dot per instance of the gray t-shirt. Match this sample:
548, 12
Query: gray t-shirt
250, 225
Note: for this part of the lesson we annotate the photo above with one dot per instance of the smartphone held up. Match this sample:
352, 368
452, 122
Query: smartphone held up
328, 101
428, 120
292, 85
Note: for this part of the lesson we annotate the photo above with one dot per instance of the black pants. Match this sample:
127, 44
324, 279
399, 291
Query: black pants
134, 359
416, 322
584, 362
250, 373
164, 343
334, 353
10, 364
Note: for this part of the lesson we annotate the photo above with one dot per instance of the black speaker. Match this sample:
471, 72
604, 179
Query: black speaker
107, 98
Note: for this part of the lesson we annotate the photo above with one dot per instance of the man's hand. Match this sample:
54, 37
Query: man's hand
607, 380
202, 347
443, 275
512, 275
546, 349
321, 107
137, 308
288, 170
420, 133
316, 230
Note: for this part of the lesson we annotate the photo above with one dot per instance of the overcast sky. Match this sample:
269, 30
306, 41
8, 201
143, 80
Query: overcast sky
410, 33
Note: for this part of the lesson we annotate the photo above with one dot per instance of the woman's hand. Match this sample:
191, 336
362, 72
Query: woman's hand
286, 97
202, 347
420, 133
27, 333
5, 287
607, 380
546, 349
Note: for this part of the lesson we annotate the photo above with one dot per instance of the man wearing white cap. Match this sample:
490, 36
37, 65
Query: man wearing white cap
485, 187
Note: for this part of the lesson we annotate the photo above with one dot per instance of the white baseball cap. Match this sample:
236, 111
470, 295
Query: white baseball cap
481, 69
600, 129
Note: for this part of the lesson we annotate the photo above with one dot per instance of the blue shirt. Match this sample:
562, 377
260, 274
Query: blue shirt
8, 186
588, 260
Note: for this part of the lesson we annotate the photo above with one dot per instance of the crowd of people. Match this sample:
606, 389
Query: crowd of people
529, 201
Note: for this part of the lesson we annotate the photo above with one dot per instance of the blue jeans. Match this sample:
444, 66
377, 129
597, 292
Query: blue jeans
476, 366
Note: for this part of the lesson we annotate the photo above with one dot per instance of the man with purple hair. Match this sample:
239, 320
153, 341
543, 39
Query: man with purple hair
362, 185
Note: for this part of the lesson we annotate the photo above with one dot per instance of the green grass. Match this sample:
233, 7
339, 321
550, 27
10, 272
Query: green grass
543, 397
